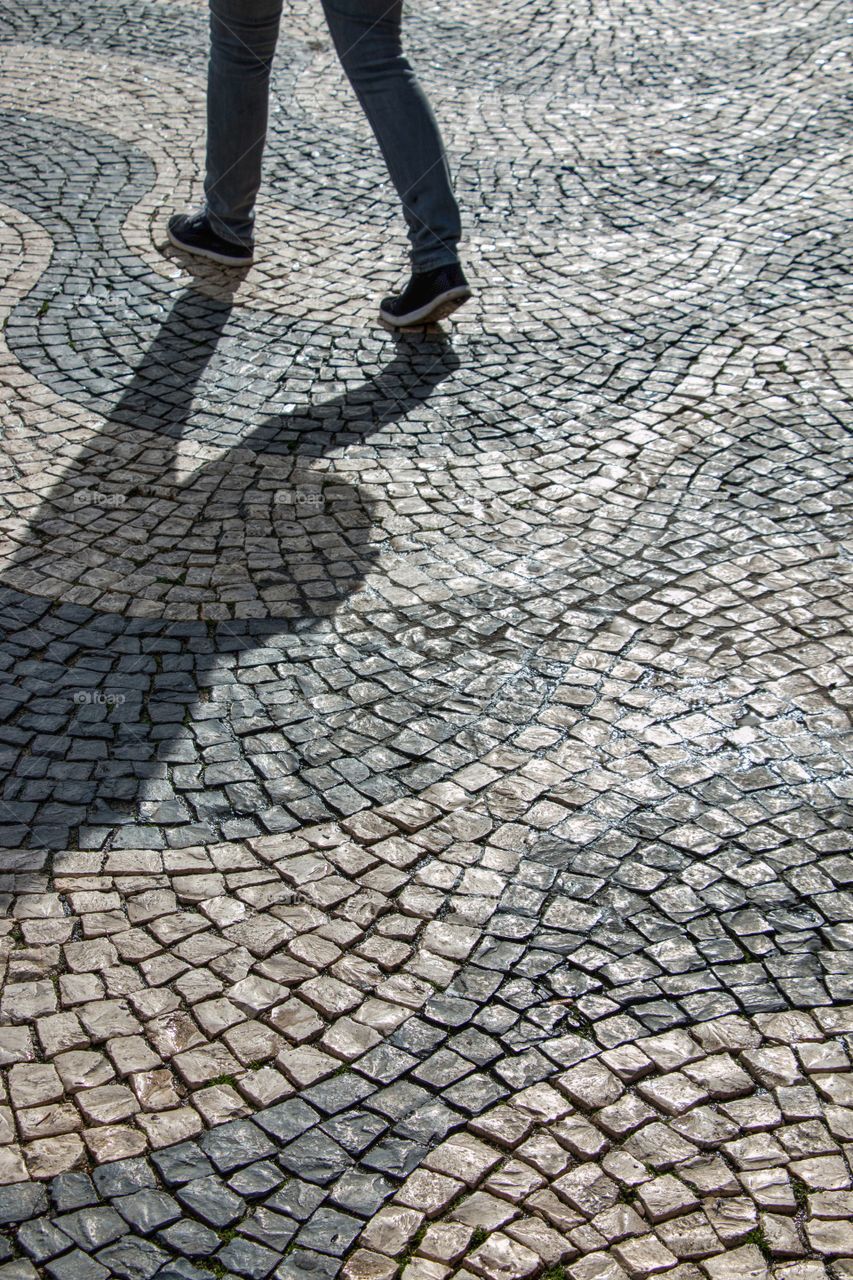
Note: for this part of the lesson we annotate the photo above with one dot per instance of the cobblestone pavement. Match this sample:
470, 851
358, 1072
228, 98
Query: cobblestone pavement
422, 826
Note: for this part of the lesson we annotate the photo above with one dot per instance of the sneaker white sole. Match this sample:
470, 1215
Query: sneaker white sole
438, 309
210, 254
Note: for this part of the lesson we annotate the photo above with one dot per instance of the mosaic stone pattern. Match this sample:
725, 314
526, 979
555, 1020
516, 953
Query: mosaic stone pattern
424, 811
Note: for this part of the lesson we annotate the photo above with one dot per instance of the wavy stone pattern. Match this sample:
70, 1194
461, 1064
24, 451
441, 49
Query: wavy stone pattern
424, 843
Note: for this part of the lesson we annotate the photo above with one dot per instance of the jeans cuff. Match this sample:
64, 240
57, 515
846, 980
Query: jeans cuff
446, 258
221, 227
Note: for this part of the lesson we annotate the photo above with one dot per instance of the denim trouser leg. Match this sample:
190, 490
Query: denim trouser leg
243, 36
366, 34
367, 37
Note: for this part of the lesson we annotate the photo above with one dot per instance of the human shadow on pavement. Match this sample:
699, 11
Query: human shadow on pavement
158, 564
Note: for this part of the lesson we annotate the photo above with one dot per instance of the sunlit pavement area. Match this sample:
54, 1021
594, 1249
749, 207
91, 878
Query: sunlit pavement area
423, 833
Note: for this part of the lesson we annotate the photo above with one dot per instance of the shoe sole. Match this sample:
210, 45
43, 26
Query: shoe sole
439, 309
211, 254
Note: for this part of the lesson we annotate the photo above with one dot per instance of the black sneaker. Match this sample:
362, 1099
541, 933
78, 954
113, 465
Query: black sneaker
429, 296
193, 233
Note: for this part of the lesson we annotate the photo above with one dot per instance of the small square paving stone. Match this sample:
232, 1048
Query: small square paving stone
546, 1155
20, 1270
771, 1189
806, 1138
419, 1268
587, 1188
691, 1236
339, 1093
82, 1069
22, 1201
644, 1255
47, 1157
123, 1177
504, 1125
287, 1119
773, 1066
181, 1163
33, 1084
618, 1222
463, 1156
76, 1266
16, 1045
501, 1257
274, 1230
429, 1123
709, 1175
305, 1264
438, 1071
230, 1146
657, 1145
360, 1192
831, 1204
180, 1269
296, 1198
445, 1241
41, 1240
799, 1103
72, 1191
524, 1069
579, 1137
720, 1075
355, 1131
329, 1231
306, 1065
483, 1210
732, 1217
365, 1265
91, 1229
265, 1086
832, 1237
781, 1236
550, 1246
190, 1238
46, 1121
666, 1197
623, 1117
315, 1157
739, 1264
428, 1192
133, 1258
514, 1180
475, 1093
248, 1259
167, 1128
396, 1157
113, 1142
591, 1084
391, 1229
674, 1093
823, 1173
147, 1211
597, 1266
753, 1114
256, 1180
212, 1201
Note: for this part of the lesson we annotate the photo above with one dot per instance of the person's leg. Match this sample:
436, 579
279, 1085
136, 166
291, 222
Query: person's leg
366, 35
243, 36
